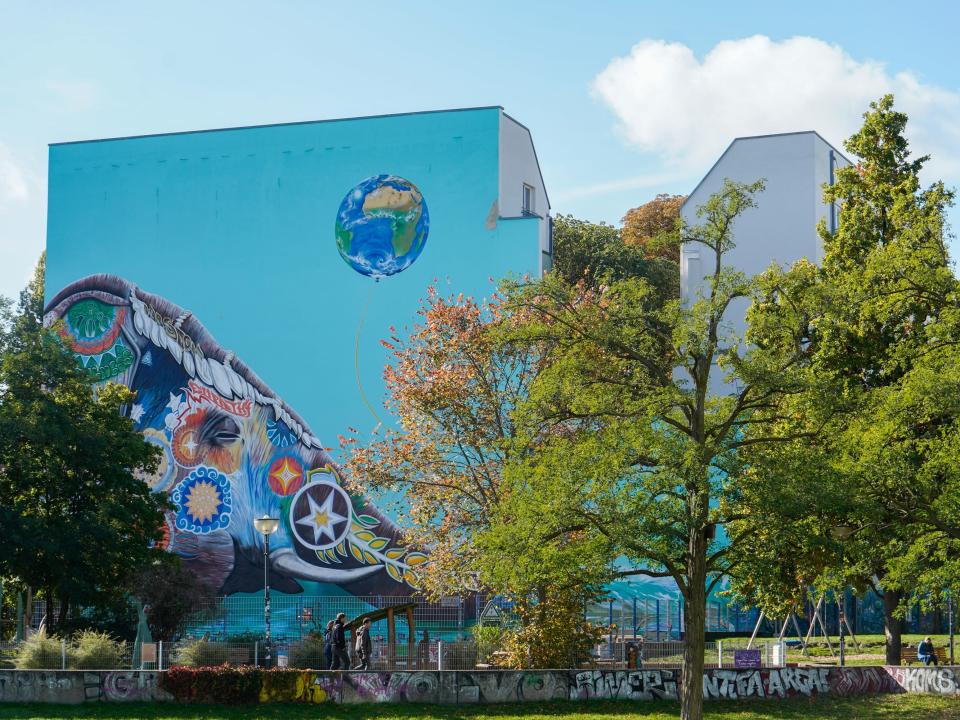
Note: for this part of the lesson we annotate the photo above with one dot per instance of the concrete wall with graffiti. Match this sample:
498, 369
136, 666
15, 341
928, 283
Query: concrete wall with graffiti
490, 687
218, 272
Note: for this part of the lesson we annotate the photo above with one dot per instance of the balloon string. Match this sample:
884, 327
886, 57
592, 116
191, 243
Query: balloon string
356, 358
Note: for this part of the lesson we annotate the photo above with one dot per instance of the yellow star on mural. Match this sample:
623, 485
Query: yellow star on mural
203, 501
285, 475
322, 519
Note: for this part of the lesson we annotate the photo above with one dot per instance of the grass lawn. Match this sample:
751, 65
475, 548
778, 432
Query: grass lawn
881, 707
871, 649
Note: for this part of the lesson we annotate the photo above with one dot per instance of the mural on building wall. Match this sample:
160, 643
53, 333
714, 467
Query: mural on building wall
231, 449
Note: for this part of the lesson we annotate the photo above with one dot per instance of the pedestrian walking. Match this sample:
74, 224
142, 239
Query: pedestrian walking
364, 646
341, 661
328, 646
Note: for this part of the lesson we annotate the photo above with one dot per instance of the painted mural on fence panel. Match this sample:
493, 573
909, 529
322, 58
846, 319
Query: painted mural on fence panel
231, 451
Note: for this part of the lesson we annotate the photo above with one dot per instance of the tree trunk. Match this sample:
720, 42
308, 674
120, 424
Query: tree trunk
694, 626
892, 626
62, 615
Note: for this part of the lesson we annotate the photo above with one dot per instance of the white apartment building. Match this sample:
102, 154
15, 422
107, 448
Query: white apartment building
782, 228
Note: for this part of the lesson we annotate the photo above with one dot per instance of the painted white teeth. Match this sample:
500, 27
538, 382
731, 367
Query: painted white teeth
220, 379
188, 364
203, 370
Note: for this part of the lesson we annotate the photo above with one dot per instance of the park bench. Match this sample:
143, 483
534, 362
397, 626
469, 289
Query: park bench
908, 655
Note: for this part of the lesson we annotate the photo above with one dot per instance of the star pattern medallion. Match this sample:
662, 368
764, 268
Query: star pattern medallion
285, 475
186, 447
320, 515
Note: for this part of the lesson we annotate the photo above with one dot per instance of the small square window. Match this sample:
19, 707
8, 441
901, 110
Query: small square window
529, 200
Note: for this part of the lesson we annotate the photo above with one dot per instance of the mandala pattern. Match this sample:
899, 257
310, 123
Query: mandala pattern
203, 501
91, 327
285, 475
279, 434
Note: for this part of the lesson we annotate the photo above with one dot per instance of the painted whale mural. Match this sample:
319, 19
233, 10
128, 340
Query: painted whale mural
231, 451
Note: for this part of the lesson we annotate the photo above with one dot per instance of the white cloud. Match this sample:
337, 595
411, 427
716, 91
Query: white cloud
687, 110
13, 181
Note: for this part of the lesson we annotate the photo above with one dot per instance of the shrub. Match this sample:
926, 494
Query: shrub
94, 650
554, 633
459, 655
203, 653
489, 639
40, 652
308, 653
220, 685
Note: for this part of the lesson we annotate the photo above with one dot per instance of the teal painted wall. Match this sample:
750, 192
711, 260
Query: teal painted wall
237, 226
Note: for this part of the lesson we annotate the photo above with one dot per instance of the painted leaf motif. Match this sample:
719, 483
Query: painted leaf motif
370, 558
395, 553
356, 553
414, 559
378, 543
411, 578
364, 536
368, 520
342, 549
394, 573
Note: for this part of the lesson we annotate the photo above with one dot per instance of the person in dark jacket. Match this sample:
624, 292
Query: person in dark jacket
341, 661
926, 653
364, 645
328, 646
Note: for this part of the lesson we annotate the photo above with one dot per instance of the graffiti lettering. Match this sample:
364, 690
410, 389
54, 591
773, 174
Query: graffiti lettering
199, 393
624, 685
493, 686
942, 681
784, 682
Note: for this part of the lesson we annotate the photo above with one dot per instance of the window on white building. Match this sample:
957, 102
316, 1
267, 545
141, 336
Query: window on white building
529, 200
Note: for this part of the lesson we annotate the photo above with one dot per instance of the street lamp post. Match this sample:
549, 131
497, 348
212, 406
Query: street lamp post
950, 621
266, 526
841, 533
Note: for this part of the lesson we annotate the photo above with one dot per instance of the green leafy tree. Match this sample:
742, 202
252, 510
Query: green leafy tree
172, 596
78, 522
877, 324
596, 253
630, 442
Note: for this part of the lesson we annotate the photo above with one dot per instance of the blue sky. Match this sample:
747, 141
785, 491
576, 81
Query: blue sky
624, 99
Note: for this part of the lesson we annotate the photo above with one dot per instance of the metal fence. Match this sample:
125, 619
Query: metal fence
309, 654
657, 618
628, 653
293, 617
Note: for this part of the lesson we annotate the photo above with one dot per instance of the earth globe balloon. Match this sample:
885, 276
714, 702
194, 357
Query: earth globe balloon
382, 226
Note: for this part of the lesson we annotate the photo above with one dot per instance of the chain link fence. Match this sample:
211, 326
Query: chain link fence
310, 653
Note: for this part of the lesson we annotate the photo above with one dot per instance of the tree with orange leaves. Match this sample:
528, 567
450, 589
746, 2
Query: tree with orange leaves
650, 225
452, 387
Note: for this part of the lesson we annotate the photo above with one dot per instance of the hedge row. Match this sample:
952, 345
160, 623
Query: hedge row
229, 685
